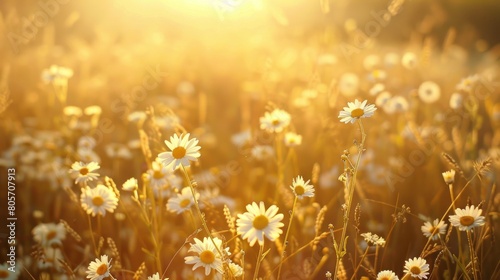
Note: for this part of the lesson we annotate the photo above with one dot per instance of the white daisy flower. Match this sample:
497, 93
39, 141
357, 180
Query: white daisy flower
262, 152
397, 104
467, 83
98, 200
137, 116
130, 185
83, 172
356, 110
92, 110
456, 101
468, 218
49, 234
207, 255
6, 274
383, 98
156, 276
348, 84
449, 176
275, 121
292, 139
51, 260
371, 61
236, 270
241, 139
386, 275
376, 89
258, 222
429, 92
373, 239
182, 151
417, 267
99, 269
433, 229
72, 111
302, 189
56, 73
182, 202
409, 60
391, 59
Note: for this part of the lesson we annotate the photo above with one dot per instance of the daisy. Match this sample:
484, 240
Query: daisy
236, 270
99, 269
349, 84
429, 92
373, 239
356, 110
259, 222
397, 104
158, 175
262, 152
182, 202
98, 200
72, 111
275, 121
137, 116
383, 98
50, 234
92, 110
51, 257
130, 185
292, 139
302, 189
207, 255
183, 150
376, 89
417, 267
83, 172
56, 73
468, 218
6, 274
156, 276
449, 176
456, 101
409, 60
386, 275
433, 229
467, 83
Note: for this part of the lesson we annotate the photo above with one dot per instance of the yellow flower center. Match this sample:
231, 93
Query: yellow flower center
51, 235
4, 274
260, 222
299, 190
184, 203
97, 201
207, 257
275, 122
179, 152
415, 270
433, 231
467, 220
102, 269
157, 174
384, 278
358, 112
84, 171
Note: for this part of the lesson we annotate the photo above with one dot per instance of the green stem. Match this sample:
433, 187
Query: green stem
286, 236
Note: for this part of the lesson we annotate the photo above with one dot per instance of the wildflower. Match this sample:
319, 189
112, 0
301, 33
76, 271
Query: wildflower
467, 83
99, 269
275, 121
433, 229
6, 274
158, 175
207, 255
72, 111
183, 150
371, 61
456, 101
262, 152
130, 185
137, 116
182, 202
156, 276
429, 92
409, 60
49, 234
449, 176
349, 84
92, 110
356, 110
55, 74
468, 218
376, 89
386, 275
302, 189
83, 172
292, 139
382, 98
236, 270
397, 104
98, 200
258, 222
242, 138
51, 259
373, 239
417, 267
391, 59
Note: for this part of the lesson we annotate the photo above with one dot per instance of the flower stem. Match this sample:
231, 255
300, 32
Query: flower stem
259, 260
472, 255
285, 243
360, 261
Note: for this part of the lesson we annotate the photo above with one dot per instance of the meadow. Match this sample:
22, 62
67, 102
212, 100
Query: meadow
249, 139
